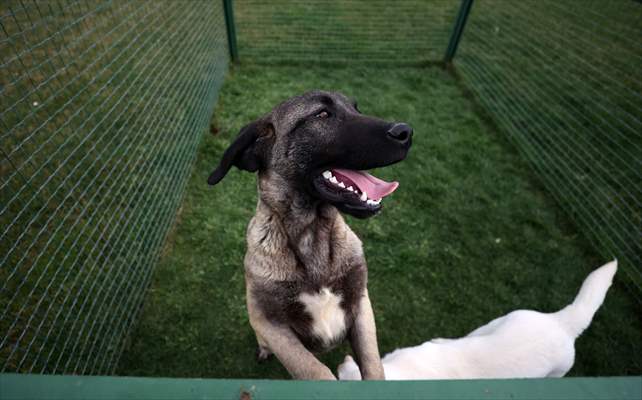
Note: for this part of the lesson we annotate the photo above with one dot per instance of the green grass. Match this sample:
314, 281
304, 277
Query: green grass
470, 235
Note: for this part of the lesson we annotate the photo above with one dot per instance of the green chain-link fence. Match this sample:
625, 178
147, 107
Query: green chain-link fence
406, 32
563, 80
103, 104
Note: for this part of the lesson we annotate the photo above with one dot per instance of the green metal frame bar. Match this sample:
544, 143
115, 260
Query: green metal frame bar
458, 30
17, 386
230, 26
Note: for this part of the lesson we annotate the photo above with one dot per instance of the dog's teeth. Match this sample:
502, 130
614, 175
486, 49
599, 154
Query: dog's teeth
333, 179
377, 201
342, 185
364, 196
350, 188
327, 174
370, 202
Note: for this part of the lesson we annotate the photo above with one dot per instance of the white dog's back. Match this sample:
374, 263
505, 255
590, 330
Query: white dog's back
521, 344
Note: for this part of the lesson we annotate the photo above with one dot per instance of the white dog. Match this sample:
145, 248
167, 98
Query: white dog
521, 344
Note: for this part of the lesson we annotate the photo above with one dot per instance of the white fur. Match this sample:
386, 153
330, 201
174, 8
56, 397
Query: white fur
521, 344
328, 319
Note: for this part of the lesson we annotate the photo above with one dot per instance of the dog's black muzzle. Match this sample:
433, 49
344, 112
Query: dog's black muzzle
360, 143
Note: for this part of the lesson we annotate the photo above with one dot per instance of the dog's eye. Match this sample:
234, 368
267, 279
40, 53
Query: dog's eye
322, 114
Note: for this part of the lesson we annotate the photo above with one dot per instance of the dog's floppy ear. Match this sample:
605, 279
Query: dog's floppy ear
242, 153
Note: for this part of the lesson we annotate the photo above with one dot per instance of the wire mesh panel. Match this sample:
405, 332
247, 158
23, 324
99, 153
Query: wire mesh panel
563, 79
403, 32
103, 104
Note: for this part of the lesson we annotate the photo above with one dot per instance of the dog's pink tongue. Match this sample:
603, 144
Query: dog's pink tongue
375, 188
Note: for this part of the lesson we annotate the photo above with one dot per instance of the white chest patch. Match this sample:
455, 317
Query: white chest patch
328, 319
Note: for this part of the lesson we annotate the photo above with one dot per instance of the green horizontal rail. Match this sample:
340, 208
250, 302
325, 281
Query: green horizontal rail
16, 386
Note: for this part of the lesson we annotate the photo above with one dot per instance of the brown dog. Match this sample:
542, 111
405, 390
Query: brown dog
305, 270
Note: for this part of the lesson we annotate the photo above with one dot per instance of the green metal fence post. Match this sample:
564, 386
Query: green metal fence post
231, 30
458, 30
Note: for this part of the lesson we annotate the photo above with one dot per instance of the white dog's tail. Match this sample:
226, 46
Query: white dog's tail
577, 316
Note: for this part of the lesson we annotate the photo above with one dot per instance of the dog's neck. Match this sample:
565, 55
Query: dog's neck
309, 227
294, 236
297, 210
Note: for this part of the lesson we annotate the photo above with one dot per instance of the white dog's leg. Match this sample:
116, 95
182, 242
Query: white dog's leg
349, 370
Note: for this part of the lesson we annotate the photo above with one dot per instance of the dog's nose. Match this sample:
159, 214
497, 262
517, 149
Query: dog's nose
400, 132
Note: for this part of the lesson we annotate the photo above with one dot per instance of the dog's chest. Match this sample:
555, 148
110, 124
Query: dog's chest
323, 312
328, 319
312, 284
319, 312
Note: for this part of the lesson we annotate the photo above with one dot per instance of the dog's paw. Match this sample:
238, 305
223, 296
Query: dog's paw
262, 354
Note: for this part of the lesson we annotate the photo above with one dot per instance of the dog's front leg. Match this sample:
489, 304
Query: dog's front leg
363, 339
299, 362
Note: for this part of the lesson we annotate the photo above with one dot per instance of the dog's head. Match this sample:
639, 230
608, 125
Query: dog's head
321, 144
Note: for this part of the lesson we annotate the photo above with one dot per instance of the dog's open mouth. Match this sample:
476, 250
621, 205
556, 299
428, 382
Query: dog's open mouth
356, 192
